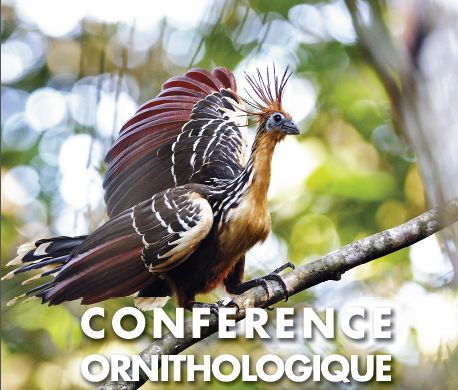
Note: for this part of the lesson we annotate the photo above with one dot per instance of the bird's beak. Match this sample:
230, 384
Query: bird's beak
289, 127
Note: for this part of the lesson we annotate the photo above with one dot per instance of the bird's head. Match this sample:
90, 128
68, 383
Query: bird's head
269, 112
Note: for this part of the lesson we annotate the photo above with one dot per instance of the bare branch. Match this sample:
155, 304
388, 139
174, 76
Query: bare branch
329, 267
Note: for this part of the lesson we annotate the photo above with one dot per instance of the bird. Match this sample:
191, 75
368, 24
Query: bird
185, 202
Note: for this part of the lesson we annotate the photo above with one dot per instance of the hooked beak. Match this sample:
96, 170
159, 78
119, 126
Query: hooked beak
289, 127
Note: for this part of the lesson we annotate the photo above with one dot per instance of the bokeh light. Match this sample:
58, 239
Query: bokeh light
45, 108
20, 185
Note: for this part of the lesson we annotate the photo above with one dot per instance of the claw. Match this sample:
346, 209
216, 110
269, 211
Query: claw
283, 267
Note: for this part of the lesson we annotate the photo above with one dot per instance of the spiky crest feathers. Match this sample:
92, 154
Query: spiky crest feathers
268, 93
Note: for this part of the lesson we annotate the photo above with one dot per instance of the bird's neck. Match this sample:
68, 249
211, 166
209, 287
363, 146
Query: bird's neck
258, 169
254, 180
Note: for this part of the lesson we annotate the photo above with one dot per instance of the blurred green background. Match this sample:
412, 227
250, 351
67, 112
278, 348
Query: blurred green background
74, 71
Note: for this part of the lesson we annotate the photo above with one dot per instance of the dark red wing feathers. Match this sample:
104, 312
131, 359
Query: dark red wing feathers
156, 110
158, 122
177, 97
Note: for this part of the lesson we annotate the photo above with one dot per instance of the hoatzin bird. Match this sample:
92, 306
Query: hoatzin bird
184, 204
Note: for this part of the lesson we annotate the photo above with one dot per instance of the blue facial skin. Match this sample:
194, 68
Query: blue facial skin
278, 121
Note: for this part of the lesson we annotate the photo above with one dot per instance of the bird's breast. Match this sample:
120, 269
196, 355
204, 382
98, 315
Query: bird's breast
242, 227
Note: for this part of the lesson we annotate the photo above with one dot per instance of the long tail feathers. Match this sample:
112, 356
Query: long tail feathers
47, 255
111, 269
105, 265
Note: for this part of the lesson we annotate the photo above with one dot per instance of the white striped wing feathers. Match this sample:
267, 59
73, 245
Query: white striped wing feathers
215, 137
172, 225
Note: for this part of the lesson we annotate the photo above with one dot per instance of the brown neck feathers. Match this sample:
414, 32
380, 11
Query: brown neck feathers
261, 160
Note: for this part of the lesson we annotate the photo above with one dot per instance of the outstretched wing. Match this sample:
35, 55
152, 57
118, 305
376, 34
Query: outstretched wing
193, 131
129, 252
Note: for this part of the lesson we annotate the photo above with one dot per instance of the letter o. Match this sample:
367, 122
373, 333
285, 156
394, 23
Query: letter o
131, 334
216, 368
88, 375
263, 375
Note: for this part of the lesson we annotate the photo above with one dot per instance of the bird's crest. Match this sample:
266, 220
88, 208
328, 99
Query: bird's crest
268, 91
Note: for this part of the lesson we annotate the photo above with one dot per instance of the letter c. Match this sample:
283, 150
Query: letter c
86, 323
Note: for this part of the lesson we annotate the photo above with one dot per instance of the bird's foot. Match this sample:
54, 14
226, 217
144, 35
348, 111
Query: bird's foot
240, 288
274, 275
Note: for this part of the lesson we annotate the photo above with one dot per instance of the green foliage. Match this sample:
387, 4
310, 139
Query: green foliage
62, 327
332, 179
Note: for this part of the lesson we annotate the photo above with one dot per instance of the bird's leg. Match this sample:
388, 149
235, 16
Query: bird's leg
234, 284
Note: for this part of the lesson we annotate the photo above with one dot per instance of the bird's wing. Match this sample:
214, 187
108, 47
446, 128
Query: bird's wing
172, 225
129, 252
193, 131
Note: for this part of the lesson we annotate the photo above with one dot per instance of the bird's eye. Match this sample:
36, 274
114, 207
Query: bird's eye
277, 118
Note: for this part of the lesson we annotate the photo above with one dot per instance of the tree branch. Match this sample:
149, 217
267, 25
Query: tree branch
329, 267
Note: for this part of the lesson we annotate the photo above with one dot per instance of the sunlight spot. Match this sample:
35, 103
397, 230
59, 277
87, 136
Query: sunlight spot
108, 108
70, 223
436, 322
55, 18
17, 133
82, 189
309, 22
20, 185
293, 162
181, 45
338, 22
428, 261
77, 151
45, 108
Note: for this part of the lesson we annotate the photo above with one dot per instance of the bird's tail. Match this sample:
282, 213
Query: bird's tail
48, 255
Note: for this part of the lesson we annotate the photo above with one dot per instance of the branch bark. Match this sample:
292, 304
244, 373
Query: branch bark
329, 267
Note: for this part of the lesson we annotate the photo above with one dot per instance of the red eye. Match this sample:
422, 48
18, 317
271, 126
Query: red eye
277, 118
